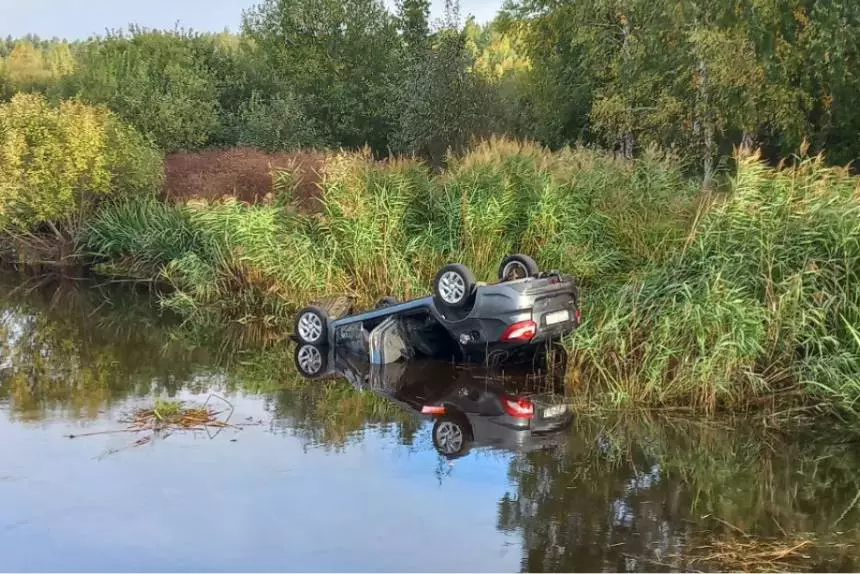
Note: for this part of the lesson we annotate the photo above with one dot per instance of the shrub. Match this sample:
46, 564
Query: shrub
278, 124
59, 162
156, 81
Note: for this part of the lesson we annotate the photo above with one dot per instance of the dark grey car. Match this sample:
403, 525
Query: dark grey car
492, 322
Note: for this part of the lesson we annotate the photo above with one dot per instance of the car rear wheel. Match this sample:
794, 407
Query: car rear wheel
454, 285
312, 326
517, 266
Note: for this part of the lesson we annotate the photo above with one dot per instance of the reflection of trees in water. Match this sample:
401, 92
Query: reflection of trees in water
71, 347
78, 350
609, 497
632, 496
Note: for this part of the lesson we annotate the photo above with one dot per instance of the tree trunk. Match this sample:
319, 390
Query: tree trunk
628, 143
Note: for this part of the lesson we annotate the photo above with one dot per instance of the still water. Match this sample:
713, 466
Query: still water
316, 475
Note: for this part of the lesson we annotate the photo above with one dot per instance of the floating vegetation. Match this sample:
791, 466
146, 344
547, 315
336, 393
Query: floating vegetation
175, 416
168, 416
745, 553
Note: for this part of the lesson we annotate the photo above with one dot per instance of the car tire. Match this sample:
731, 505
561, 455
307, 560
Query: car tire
311, 360
386, 301
452, 436
311, 326
517, 266
454, 285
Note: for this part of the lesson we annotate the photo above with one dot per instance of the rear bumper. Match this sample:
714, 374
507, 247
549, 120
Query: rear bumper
498, 307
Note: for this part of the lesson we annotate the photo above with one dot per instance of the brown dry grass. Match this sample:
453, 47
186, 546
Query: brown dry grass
242, 173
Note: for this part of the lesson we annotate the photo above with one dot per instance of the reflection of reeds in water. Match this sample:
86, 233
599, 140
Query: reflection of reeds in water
678, 483
76, 347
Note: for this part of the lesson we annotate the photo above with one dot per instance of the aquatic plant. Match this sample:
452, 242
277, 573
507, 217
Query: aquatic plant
758, 303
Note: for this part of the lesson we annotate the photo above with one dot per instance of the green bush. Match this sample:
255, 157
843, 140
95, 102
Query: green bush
59, 162
156, 81
274, 125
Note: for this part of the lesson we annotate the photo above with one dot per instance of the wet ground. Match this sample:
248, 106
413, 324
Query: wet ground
342, 474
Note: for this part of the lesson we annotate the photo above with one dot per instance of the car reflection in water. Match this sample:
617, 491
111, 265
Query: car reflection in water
520, 408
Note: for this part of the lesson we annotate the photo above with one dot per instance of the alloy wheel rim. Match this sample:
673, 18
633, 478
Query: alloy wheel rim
449, 437
452, 287
310, 327
310, 360
516, 267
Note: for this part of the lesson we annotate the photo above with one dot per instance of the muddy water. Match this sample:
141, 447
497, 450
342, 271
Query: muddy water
318, 476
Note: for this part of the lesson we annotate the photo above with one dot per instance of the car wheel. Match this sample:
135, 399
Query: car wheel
386, 301
312, 326
517, 266
452, 436
311, 360
454, 285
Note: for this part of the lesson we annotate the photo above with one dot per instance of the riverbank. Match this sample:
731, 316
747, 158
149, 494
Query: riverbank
730, 299
726, 300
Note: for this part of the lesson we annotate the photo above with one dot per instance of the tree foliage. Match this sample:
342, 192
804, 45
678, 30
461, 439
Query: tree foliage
58, 162
695, 76
156, 81
339, 57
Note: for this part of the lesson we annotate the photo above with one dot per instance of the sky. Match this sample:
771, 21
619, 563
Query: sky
79, 19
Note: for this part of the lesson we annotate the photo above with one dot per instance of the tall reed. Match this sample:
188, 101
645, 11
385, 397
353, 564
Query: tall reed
728, 299
760, 300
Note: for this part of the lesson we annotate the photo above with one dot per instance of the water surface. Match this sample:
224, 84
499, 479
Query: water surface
327, 478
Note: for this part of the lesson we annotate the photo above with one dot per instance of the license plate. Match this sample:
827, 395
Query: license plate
554, 411
557, 317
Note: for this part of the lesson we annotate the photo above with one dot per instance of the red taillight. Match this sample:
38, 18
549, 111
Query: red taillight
432, 410
519, 407
578, 316
522, 331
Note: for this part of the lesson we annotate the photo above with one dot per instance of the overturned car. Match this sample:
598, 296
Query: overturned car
463, 317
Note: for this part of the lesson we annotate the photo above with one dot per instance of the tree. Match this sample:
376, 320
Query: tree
412, 19
156, 81
830, 75
339, 58
443, 103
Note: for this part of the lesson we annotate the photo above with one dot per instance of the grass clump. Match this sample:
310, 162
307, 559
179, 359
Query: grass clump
759, 300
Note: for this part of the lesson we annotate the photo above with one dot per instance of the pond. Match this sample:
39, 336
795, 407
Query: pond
320, 475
